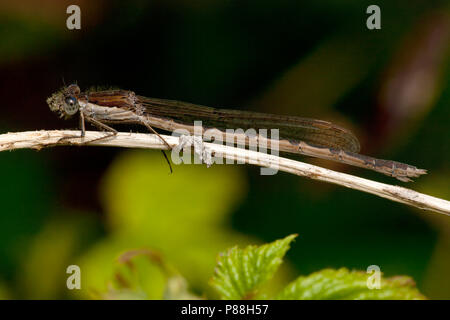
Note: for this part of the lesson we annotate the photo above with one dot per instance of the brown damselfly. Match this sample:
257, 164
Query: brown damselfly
305, 136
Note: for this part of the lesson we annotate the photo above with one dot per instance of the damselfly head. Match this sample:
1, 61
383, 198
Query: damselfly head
65, 101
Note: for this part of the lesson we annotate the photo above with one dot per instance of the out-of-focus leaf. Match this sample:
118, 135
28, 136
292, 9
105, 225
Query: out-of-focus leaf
240, 272
44, 267
183, 215
144, 274
349, 285
139, 193
139, 273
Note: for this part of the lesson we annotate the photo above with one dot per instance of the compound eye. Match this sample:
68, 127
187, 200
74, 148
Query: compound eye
70, 101
71, 105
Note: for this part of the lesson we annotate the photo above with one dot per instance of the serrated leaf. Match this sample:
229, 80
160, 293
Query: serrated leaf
333, 284
239, 273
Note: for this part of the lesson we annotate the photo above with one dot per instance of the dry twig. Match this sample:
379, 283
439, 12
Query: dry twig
42, 139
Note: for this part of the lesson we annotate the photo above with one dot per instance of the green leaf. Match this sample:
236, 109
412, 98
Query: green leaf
138, 196
144, 274
349, 285
240, 273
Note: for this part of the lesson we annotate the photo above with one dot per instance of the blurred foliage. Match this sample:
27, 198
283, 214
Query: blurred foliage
50, 253
343, 284
87, 206
136, 278
240, 273
183, 215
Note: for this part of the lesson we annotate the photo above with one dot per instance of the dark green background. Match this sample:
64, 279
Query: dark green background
233, 54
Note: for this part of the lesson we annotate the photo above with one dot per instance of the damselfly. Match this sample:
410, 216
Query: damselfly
306, 136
